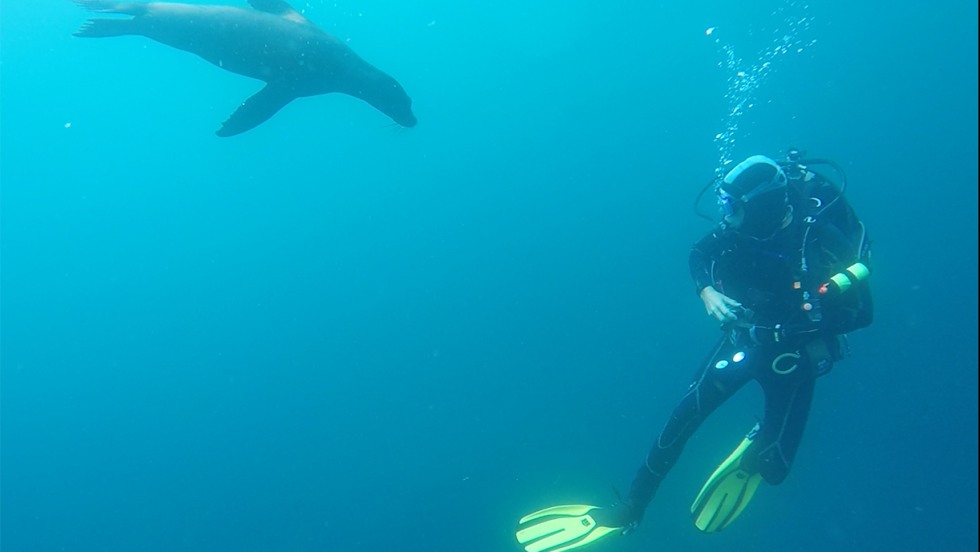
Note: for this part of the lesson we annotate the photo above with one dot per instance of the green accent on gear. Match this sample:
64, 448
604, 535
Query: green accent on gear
859, 271
727, 492
561, 528
842, 281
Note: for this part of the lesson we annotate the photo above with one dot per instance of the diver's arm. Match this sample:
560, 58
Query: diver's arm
701, 258
849, 309
716, 303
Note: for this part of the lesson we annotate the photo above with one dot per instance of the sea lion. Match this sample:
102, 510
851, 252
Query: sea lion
272, 43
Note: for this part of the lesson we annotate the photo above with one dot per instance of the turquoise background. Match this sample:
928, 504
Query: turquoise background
330, 333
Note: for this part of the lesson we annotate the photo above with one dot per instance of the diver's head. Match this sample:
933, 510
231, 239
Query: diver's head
754, 197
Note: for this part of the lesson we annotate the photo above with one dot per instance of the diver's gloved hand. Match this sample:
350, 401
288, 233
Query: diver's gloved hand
620, 514
719, 306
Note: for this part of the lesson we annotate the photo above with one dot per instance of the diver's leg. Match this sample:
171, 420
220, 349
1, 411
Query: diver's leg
718, 378
787, 383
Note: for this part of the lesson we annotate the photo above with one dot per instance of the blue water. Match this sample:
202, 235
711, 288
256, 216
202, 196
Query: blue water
332, 334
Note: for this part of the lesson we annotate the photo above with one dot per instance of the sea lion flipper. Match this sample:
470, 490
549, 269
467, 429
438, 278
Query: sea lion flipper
280, 8
256, 110
96, 28
110, 6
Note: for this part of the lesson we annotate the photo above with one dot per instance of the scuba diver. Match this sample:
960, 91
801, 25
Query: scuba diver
785, 273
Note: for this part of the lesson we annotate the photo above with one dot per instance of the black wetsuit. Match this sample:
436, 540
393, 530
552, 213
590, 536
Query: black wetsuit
783, 340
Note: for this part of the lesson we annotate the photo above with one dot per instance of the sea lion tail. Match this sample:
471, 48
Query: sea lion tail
107, 6
109, 27
95, 28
